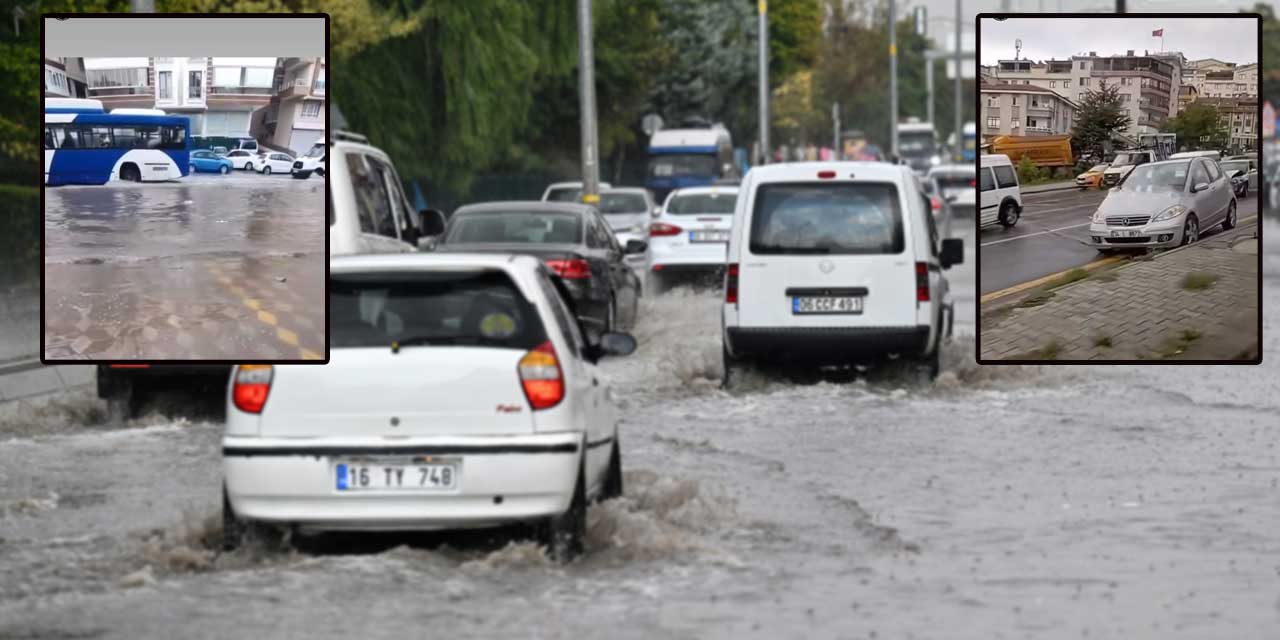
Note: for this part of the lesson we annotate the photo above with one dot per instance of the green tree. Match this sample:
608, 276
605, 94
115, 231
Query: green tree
795, 37
1099, 117
1270, 68
1198, 127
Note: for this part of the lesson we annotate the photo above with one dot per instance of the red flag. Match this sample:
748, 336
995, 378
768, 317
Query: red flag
1158, 33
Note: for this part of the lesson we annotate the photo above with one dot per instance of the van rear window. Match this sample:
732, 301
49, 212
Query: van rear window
469, 308
827, 218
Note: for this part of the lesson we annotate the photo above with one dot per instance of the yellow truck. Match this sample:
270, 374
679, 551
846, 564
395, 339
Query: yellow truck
1044, 151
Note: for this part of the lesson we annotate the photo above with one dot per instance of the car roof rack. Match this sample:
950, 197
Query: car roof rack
350, 137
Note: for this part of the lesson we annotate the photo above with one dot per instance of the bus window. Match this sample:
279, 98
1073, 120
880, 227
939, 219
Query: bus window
125, 137
48, 138
173, 138
95, 137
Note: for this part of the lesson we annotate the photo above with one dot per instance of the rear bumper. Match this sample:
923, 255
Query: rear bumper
845, 345
288, 481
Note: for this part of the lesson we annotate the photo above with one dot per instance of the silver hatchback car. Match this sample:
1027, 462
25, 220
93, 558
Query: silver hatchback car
1164, 204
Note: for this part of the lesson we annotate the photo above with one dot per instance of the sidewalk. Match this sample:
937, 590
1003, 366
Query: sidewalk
1144, 310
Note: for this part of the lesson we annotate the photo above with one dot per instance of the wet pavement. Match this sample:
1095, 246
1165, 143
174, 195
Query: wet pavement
212, 267
1002, 502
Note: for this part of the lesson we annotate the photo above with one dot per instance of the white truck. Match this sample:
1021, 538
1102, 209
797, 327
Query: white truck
1154, 147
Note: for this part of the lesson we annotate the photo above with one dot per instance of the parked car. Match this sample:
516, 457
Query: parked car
1092, 179
690, 235
276, 163
572, 239
628, 211
567, 191
1164, 204
1243, 173
836, 263
242, 159
222, 151
436, 342
1001, 196
957, 182
207, 161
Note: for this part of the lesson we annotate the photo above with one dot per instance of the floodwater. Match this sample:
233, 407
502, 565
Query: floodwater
1001, 502
211, 267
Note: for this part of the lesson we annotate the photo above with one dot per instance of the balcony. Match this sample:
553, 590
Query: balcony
96, 92
296, 89
240, 91
1042, 108
1044, 130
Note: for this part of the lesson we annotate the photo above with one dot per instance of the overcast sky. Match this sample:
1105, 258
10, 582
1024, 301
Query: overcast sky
1227, 39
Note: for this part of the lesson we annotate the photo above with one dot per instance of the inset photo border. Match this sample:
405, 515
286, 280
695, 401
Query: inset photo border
1121, 185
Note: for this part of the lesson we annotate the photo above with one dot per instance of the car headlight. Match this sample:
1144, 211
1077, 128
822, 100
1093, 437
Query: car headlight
1170, 213
935, 160
1098, 217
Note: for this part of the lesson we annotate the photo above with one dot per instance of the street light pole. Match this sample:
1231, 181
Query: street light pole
893, 80
587, 106
955, 153
763, 79
928, 84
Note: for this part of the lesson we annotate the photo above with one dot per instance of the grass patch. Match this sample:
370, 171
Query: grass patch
1074, 275
1036, 299
1105, 276
1102, 341
1198, 281
1180, 342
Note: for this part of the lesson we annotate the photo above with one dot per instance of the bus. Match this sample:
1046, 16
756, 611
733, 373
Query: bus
968, 152
83, 144
689, 157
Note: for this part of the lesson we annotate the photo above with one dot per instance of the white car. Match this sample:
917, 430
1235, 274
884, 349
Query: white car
957, 181
836, 263
459, 394
567, 191
690, 234
242, 159
356, 188
1000, 194
275, 162
628, 211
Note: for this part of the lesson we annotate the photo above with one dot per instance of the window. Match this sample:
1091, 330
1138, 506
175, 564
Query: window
988, 182
194, 87
595, 239
164, 84
849, 218
1005, 177
1198, 174
95, 137
1082, 64
700, 203
1032, 122
116, 78
320, 83
515, 227
1053, 84
399, 203
1015, 101
566, 323
993, 122
372, 203
1084, 82
1214, 171
310, 109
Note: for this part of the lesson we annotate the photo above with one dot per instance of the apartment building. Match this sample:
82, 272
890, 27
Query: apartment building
1239, 117
1215, 78
218, 94
1024, 110
295, 118
64, 78
1187, 94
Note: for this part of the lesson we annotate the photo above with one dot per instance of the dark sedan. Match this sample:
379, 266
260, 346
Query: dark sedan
573, 240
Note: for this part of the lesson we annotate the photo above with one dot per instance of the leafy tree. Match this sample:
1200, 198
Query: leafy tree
1198, 126
795, 37
1270, 68
1099, 117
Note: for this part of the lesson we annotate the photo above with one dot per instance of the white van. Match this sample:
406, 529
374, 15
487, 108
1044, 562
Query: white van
835, 263
368, 210
1001, 198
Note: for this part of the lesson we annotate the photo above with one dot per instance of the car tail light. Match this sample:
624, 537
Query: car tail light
663, 229
826, 175
973, 183
251, 387
922, 282
731, 284
540, 375
937, 204
573, 269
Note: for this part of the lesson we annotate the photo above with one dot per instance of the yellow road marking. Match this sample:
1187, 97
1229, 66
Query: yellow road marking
1018, 288
252, 303
308, 354
287, 336
267, 317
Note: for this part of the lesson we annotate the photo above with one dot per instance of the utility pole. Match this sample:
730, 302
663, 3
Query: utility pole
763, 80
835, 130
955, 153
142, 6
893, 80
587, 106
928, 84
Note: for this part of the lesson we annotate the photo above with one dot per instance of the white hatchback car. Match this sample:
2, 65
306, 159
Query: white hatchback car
242, 158
274, 162
691, 233
459, 394
836, 263
567, 191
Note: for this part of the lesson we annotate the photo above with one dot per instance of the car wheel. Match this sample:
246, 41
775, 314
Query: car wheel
223, 169
249, 166
1190, 230
928, 368
266, 170
563, 534
1230, 222
130, 174
238, 532
733, 371
1009, 215
613, 476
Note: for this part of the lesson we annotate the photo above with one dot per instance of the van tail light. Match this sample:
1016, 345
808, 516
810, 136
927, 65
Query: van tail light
541, 378
937, 204
731, 284
572, 269
664, 229
251, 387
922, 282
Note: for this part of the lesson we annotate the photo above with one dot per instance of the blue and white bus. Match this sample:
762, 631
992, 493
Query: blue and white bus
85, 145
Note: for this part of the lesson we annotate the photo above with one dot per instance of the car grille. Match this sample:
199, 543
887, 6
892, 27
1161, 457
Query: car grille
1110, 179
297, 165
1127, 221
1128, 240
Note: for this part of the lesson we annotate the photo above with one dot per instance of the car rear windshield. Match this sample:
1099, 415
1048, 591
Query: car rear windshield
466, 308
564, 195
622, 203
515, 227
850, 218
1157, 177
946, 180
703, 203
1236, 165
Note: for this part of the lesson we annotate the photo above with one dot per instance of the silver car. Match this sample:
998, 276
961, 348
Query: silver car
1243, 173
1164, 204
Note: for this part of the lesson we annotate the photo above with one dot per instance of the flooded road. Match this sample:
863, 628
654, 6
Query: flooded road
212, 267
1002, 502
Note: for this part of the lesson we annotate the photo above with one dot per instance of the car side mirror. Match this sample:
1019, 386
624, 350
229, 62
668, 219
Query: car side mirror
951, 198
952, 252
1200, 187
610, 344
636, 246
432, 222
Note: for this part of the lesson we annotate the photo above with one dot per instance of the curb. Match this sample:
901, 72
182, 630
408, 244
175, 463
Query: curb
31, 379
